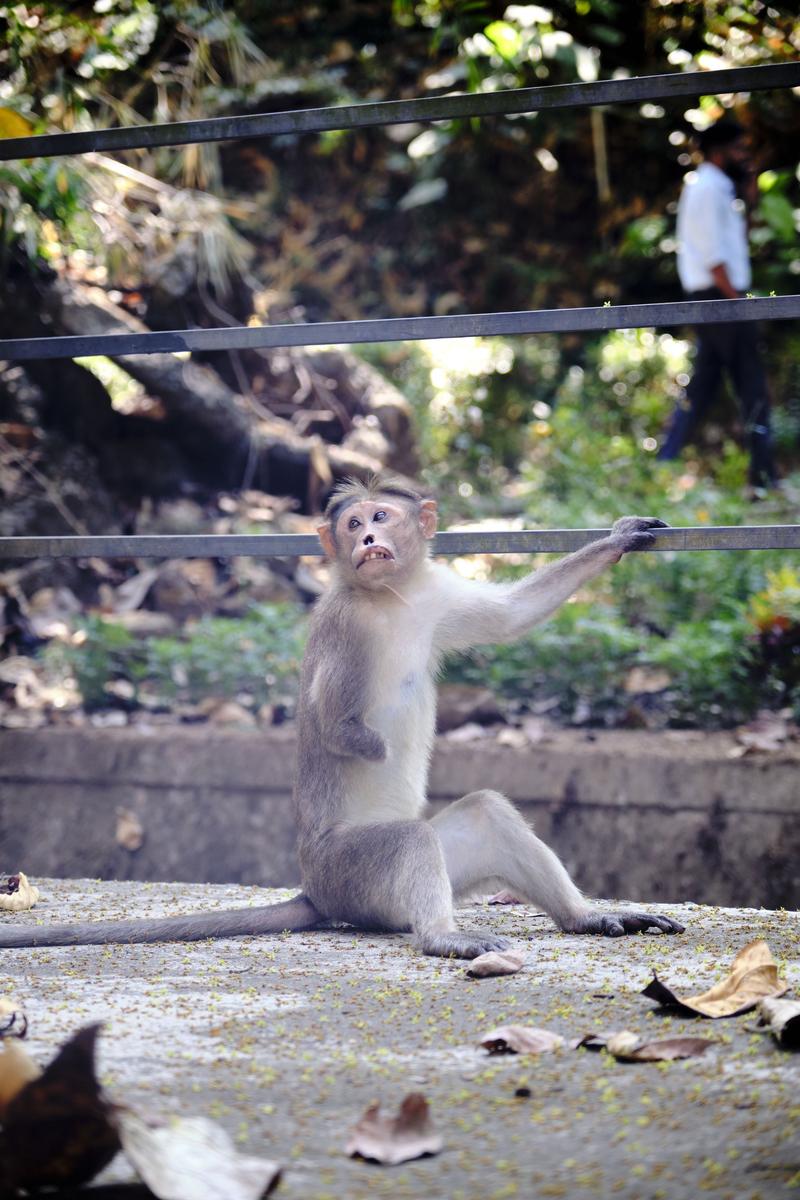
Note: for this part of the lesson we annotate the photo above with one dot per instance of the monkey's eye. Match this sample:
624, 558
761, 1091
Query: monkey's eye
353, 523
380, 515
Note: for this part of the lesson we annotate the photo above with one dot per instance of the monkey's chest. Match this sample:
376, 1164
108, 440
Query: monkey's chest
403, 711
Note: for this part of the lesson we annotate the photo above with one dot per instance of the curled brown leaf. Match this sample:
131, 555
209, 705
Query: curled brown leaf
782, 1018
494, 963
520, 1039
393, 1140
752, 977
192, 1158
57, 1128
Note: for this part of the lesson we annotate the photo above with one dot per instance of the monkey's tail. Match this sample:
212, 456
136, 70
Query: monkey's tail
295, 914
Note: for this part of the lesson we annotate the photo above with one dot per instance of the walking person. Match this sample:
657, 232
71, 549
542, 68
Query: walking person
714, 264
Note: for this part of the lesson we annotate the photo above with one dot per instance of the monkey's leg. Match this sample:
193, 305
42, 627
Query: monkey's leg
392, 876
485, 839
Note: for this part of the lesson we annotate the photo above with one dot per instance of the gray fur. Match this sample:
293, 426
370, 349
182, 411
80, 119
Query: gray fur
365, 723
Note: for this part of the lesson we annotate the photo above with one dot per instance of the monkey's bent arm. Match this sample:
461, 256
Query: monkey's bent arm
482, 613
337, 694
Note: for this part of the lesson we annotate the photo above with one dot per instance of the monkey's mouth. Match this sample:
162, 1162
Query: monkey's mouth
375, 552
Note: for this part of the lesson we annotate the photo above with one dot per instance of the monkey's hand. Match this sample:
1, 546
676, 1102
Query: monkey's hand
353, 739
619, 923
633, 533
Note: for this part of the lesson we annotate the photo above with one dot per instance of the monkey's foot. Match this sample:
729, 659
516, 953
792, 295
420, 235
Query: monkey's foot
454, 944
619, 923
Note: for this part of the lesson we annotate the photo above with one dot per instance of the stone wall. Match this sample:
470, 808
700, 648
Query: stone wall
664, 817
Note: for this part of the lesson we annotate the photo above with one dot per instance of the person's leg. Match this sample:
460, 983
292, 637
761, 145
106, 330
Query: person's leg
701, 391
699, 394
750, 381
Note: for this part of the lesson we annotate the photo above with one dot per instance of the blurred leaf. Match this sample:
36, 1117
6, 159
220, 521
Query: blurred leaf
519, 1039
505, 38
192, 1158
428, 191
57, 1130
13, 125
393, 1140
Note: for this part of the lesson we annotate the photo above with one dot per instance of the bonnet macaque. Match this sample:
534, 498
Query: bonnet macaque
365, 724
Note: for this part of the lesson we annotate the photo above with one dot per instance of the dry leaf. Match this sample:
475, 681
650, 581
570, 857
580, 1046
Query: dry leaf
16, 1069
590, 1041
766, 734
629, 1047
536, 730
129, 833
782, 1018
753, 976
504, 897
56, 1129
646, 681
471, 732
393, 1140
517, 739
13, 1022
192, 1158
494, 963
17, 669
520, 1039
17, 894
131, 594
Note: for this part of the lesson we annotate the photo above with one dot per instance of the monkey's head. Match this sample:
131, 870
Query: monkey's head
377, 534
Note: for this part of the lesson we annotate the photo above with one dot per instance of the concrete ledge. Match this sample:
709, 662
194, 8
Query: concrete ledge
643, 814
286, 1040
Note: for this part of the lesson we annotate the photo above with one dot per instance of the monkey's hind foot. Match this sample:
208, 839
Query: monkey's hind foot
459, 945
619, 923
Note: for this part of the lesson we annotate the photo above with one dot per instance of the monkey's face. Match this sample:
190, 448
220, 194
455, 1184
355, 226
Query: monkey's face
382, 541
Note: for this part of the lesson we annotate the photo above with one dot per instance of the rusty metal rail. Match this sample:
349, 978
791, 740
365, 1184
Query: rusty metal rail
360, 116
393, 112
279, 545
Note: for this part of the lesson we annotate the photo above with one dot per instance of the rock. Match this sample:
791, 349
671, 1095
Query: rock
142, 623
462, 703
232, 714
186, 588
172, 516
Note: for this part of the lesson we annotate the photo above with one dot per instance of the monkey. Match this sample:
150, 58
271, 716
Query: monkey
366, 719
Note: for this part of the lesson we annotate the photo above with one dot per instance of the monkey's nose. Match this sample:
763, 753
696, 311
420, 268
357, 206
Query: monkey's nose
369, 539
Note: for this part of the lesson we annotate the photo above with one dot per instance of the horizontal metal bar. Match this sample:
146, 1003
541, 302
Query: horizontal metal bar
393, 112
279, 545
407, 329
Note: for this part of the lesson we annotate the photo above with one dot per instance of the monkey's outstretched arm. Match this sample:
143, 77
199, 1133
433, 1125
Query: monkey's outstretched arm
295, 914
484, 613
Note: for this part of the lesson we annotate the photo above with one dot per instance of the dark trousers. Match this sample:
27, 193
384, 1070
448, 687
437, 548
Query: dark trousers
730, 348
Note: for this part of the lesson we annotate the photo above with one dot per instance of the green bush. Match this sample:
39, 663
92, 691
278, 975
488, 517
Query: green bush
257, 656
578, 660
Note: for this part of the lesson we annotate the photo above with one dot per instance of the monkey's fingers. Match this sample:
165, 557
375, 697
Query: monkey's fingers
620, 923
637, 922
453, 944
641, 540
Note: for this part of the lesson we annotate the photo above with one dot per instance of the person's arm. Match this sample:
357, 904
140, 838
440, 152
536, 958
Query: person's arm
722, 281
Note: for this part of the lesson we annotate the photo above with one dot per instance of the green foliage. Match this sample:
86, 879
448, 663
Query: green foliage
578, 660
712, 666
581, 458
257, 656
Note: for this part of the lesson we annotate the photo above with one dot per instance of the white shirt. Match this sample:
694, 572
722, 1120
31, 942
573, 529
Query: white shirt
712, 230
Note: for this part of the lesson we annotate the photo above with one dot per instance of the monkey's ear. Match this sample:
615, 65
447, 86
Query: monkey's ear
428, 518
326, 537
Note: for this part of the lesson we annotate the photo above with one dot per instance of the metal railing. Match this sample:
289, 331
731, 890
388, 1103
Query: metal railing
360, 116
